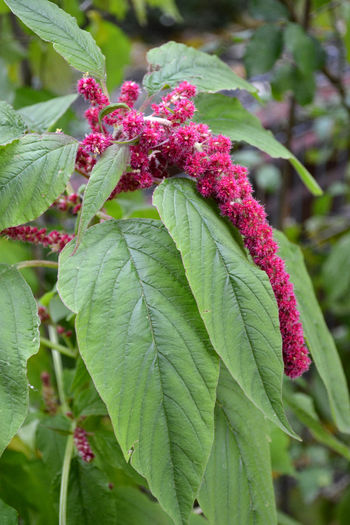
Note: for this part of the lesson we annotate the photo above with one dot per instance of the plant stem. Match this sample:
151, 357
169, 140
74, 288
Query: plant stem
57, 364
65, 477
35, 264
62, 349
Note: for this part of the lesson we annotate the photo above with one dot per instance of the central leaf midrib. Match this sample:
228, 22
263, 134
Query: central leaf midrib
158, 365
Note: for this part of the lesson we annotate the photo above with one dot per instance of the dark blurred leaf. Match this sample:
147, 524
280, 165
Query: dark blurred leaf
288, 78
269, 10
263, 49
307, 51
134, 508
281, 460
303, 407
338, 290
114, 44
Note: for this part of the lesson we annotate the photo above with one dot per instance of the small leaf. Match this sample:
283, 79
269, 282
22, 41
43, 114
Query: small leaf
303, 407
109, 109
103, 179
34, 171
237, 485
134, 508
12, 126
263, 49
227, 116
234, 297
175, 62
19, 340
41, 117
147, 351
52, 24
307, 51
318, 337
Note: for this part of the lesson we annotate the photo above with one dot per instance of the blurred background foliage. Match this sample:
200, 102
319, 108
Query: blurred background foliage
297, 54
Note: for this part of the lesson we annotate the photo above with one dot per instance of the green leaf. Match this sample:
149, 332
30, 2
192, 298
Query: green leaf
338, 290
281, 460
135, 508
234, 297
52, 24
103, 179
41, 117
175, 62
19, 339
8, 515
263, 49
237, 485
226, 115
318, 337
89, 497
289, 78
284, 519
303, 407
307, 51
12, 125
51, 437
147, 351
34, 171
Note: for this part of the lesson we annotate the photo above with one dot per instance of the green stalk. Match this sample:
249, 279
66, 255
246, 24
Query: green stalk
55, 346
35, 264
65, 477
57, 364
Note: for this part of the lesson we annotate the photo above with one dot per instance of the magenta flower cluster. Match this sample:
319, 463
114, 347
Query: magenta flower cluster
165, 142
82, 445
55, 240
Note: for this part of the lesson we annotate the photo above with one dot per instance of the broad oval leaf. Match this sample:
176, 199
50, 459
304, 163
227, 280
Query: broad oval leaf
12, 126
234, 297
318, 338
52, 24
34, 171
19, 339
226, 115
147, 351
237, 486
103, 179
175, 62
42, 116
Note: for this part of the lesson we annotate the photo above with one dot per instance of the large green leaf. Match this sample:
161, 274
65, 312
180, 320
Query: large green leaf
234, 297
135, 508
226, 115
41, 117
52, 24
34, 171
9, 516
303, 407
318, 337
90, 499
12, 125
103, 179
147, 351
263, 49
173, 63
237, 485
19, 339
